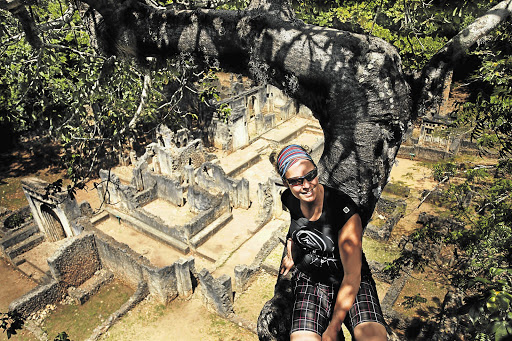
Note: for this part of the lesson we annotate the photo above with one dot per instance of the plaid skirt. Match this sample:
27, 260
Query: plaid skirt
314, 303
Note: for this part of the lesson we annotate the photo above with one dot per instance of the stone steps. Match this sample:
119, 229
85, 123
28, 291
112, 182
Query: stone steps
19, 235
211, 229
24, 245
150, 231
82, 294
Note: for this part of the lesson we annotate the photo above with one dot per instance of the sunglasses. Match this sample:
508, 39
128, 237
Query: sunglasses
300, 180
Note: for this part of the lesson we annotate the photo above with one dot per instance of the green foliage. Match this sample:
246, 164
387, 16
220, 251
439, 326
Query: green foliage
443, 169
412, 301
418, 29
11, 322
89, 104
487, 114
224, 112
62, 337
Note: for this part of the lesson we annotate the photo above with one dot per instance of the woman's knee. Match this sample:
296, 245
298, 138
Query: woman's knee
370, 331
304, 336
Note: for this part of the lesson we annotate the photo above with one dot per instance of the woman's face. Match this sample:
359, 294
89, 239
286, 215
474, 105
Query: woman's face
308, 190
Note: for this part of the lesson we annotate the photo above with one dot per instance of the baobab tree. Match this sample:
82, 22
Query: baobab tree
354, 84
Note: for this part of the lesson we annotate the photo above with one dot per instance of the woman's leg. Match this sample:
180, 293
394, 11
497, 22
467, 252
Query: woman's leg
311, 309
304, 335
370, 331
366, 314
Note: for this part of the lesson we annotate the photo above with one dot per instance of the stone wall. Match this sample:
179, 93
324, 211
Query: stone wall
71, 265
387, 213
112, 191
212, 177
214, 207
38, 298
75, 261
423, 153
164, 283
54, 212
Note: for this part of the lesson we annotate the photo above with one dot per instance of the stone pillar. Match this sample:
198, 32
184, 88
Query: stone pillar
243, 194
277, 208
183, 276
217, 293
133, 157
189, 175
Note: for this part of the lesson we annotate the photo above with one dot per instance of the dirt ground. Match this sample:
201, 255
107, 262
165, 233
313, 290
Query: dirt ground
417, 176
181, 320
13, 284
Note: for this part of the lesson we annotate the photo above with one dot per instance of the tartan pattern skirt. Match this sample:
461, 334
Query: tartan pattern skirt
314, 304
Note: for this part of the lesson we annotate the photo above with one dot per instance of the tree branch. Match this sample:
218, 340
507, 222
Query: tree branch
143, 99
430, 86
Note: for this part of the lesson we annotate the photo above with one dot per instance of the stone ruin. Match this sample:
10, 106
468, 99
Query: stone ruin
178, 170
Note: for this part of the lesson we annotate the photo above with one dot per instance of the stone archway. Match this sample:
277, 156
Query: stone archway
53, 227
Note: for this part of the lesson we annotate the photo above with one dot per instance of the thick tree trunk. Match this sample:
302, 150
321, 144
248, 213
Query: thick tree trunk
353, 83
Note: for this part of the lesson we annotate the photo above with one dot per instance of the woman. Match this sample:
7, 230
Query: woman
332, 280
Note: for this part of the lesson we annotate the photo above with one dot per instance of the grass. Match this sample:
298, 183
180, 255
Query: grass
379, 251
274, 258
11, 193
433, 293
79, 321
248, 305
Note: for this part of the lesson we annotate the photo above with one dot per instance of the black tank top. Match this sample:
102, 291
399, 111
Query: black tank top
315, 250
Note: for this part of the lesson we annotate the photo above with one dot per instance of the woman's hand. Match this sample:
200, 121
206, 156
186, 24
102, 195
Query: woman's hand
286, 265
287, 262
330, 334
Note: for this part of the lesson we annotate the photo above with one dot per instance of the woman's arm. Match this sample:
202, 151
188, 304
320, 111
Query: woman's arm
287, 262
350, 245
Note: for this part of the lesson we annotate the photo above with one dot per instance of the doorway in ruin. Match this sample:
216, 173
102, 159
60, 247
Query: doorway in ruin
253, 110
52, 224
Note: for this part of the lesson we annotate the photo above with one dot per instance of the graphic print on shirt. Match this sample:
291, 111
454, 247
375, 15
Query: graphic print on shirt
320, 247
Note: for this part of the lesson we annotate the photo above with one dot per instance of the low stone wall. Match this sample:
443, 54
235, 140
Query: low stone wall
138, 296
423, 153
18, 235
11, 221
146, 196
392, 211
71, 265
156, 222
38, 298
200, 199
165, 283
